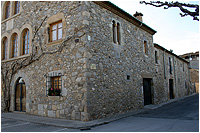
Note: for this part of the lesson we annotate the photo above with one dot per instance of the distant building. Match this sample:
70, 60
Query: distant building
193, 58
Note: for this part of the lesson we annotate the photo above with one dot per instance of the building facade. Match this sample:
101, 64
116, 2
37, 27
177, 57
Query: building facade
193, 58
107, 64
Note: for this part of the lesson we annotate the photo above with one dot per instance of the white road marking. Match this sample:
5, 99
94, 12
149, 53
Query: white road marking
16, 125
60, 130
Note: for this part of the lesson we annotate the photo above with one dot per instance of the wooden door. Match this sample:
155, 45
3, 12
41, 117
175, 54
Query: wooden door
17, 97
171, 90
20, 97
147, 91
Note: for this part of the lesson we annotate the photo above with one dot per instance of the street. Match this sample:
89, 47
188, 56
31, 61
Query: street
179, 116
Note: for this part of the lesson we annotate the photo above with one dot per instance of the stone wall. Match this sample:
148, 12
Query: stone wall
109, 90
71, 61
180, 76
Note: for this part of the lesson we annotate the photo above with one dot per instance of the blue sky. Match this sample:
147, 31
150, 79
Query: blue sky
181, 34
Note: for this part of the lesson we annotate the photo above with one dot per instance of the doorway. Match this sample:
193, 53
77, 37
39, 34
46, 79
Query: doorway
147, 91
171, 90
20, 95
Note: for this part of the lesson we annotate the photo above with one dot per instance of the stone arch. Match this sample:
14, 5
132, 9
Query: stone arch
14, 31
13, 85
22, 29
3, 10
4, 36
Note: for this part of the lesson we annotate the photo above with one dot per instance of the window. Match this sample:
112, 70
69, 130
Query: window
7, 13
14, 45
128, 77
54, 86
54, 83
5, 49
145, 47
170, 66
17, 7
156, 57
116, 32
56, 31
25, 48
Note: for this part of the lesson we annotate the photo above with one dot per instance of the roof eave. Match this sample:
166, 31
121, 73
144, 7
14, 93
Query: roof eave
118, 11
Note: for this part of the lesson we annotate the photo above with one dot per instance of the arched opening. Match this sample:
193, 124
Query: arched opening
20, 95
25, 42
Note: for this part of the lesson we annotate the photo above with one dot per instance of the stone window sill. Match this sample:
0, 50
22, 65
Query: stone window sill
55, 42
54, 97
5, 20
15, 58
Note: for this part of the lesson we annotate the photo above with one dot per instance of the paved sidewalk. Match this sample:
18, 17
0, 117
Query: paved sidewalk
79, 124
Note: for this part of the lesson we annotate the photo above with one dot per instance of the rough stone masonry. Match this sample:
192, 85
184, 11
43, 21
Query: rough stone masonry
99, 77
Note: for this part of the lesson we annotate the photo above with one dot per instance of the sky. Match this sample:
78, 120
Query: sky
180, 34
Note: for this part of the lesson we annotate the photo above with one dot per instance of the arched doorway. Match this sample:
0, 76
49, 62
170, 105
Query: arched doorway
20, 95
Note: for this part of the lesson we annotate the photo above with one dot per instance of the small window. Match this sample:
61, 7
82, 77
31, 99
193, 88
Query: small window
156, 57
17, 7
56, 31
185, 85
25, 48
7, 13
118, 33
5, 49
128, 77
54, 86
170, 66
145, 47
55, 89
114, 31
54, 83
14, 45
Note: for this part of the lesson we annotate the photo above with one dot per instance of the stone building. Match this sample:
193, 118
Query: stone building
108, 65
193, 59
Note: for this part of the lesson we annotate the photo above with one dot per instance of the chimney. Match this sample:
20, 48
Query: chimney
138, 15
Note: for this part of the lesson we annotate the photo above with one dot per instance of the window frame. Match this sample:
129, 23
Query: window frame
16, 7
116, 32
57, 31
14, 45
145, 47
5, 49
156, 57
26, 42
7, 10
170, 65
51, 88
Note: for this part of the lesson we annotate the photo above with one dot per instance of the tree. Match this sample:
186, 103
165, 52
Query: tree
9, 69
184, 7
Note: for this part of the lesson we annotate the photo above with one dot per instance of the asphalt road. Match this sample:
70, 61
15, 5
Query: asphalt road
180, 116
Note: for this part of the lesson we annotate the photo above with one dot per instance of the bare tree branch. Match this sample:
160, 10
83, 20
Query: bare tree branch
181, 6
